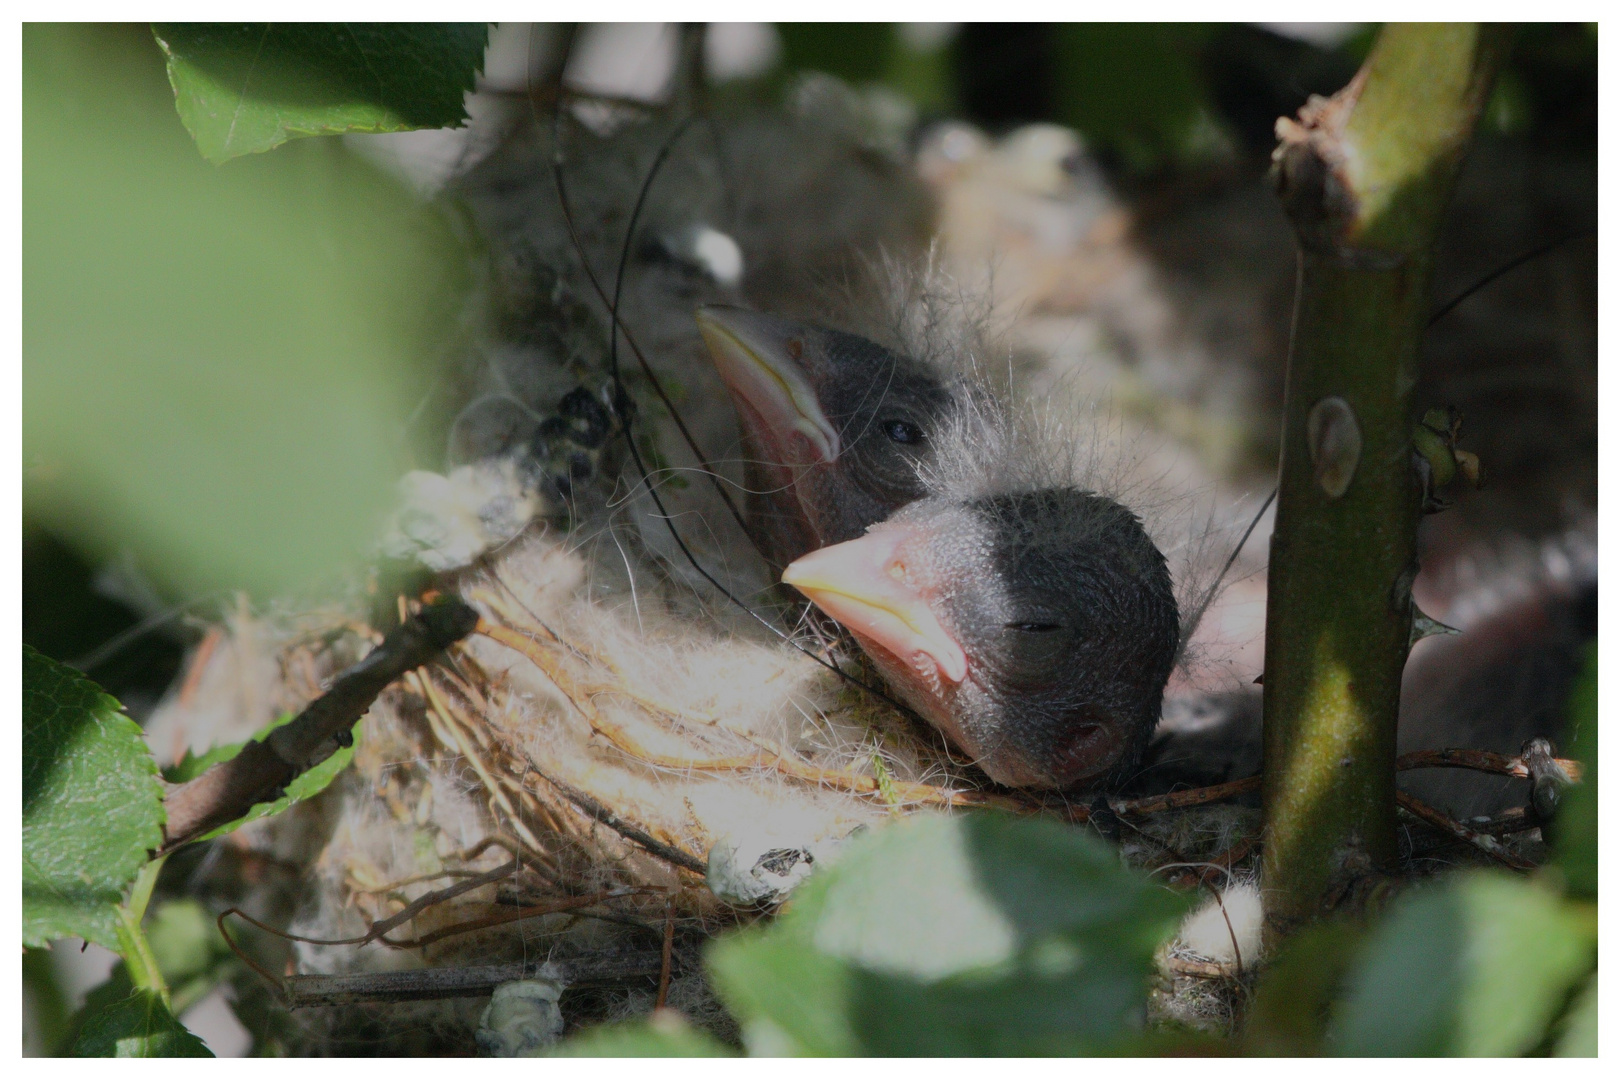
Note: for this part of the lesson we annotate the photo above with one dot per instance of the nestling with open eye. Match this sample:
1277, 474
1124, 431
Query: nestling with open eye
834, 426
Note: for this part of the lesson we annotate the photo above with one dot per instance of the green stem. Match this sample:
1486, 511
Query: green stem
136, 950
1366, 177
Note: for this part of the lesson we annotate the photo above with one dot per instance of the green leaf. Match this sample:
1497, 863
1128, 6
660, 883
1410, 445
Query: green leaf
1290, 1013
190, 953
1579, 1037
139, 1026
1575, 832
664, 1035
1135, 89
92, 805
243, 88
305, 785
855, 52
963, 935
45, 1005
221, 363
1480, 965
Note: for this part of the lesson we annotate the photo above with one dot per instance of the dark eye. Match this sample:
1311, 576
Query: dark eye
902, 431
1035, 627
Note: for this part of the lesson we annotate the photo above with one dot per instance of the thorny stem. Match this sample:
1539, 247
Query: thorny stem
1366, 177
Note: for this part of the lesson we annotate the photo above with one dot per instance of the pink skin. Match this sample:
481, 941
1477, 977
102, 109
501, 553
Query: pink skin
781, 401
778, 406
878, 587
882, 587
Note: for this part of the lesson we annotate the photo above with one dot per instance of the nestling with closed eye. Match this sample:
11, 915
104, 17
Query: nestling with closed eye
1035, 629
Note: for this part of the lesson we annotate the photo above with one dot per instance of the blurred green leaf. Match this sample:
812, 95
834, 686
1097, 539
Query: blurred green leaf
1478, 966
964, 935
139, 1026
45, 1008
1579, 1037
663, 1035
92, 805
219, 363
855, 52
1296, 992
189, 950
1575, 832
1135, 89
243, 88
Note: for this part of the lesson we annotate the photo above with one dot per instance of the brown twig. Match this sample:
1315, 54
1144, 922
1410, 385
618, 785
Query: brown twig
1512, 820
550, 907
262, 770
1204, 873
1179, 800
1201, 969
1490, 845
1480, 761
305, 991
378, 929
668, 952
633, 833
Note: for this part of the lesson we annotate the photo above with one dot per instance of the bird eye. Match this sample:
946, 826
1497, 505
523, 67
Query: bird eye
1035, 627
902, 431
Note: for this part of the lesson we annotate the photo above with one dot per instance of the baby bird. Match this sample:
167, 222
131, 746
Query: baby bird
1035, 629
834, 426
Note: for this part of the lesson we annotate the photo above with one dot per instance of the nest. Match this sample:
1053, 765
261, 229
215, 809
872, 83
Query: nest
617, 764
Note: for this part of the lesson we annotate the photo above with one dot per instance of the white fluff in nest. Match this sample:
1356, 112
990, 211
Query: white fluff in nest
1227, 928
445, 522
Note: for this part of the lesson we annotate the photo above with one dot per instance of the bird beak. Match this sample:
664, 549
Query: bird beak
862, 584
758, 357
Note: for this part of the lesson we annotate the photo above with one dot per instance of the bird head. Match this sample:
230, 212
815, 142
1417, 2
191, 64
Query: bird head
1036, 630
836, 425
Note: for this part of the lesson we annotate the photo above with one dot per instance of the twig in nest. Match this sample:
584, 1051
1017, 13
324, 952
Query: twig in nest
1175, 800
1490, 845
1201, 969
773, 760
1481, 761
550, 907
668, 951
1512, 820
378, 929
417, 880
304, 991
636, 835
1204, 873
442, 719
263, 769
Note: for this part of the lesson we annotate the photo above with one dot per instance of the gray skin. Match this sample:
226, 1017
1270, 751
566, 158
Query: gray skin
880, 406
1065, 611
